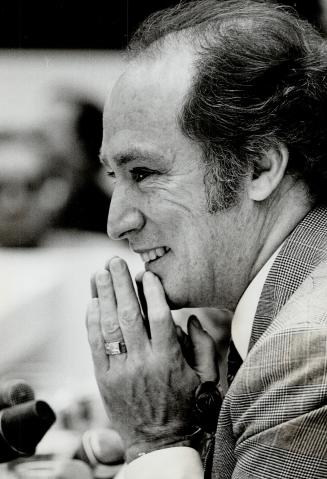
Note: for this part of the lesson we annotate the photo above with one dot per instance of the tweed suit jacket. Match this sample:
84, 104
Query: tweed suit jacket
273, 422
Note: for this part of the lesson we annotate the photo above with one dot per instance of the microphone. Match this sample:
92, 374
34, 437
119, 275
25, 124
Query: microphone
22, 427
15, 391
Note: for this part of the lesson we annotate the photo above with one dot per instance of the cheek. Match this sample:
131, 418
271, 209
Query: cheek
181, 198
192, 257
176, 218
188, 281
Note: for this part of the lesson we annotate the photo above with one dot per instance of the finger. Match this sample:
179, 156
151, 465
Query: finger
128, 308
163, 331
186, 346
180, 334
108, 309
95, 338
94, 291
204, 351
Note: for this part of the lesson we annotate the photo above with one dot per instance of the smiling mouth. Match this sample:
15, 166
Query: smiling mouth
154, 254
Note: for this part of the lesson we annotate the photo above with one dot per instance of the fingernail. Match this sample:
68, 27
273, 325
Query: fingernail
195, 322
117, 265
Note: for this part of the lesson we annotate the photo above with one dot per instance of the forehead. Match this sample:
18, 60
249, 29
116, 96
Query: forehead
143, 108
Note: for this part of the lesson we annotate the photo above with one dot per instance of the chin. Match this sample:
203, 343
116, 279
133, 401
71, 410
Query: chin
174, 305
176, 298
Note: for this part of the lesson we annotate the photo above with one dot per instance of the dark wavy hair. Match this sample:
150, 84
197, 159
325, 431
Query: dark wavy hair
260, 79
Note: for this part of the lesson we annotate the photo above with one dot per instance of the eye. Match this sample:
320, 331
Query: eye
139, 174
111, 174
35, 184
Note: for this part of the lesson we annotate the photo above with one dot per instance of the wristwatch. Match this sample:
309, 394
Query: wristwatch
208, 400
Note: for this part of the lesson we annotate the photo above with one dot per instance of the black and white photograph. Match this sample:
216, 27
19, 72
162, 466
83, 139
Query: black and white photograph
163, 239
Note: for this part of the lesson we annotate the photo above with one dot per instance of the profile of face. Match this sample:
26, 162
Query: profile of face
29, 195
159, 197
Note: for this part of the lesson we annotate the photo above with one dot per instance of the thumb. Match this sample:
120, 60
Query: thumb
204, 350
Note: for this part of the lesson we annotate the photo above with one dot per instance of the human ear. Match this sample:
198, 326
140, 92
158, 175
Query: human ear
269, 173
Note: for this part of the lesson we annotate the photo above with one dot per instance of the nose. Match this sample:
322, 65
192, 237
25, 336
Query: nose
125, 216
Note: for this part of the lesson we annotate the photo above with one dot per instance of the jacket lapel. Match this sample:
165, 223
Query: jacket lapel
303, 250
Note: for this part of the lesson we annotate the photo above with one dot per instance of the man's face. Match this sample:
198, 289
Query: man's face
159, 200
24, 194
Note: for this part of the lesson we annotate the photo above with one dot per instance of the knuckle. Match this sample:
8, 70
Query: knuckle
114, 377
112, 330
113, 335
135, 366
159, 313
129, 316
95, 344
92, 313
102, 277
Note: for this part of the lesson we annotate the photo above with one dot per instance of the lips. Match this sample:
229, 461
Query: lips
153, 254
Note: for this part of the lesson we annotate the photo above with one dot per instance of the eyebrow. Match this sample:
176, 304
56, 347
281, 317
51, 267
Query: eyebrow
133, 155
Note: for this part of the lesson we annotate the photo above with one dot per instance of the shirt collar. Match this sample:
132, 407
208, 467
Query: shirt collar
245, 311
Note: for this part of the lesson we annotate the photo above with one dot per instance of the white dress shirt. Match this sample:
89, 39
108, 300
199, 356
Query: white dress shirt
185, 462
245, 311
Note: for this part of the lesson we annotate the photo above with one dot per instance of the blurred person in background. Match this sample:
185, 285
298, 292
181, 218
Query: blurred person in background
34, 187
44, 277
75, 128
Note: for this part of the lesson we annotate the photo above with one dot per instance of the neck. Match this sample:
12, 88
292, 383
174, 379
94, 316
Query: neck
282, 215
253, 231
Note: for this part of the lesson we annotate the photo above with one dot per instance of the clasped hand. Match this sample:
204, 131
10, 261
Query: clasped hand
148, 391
